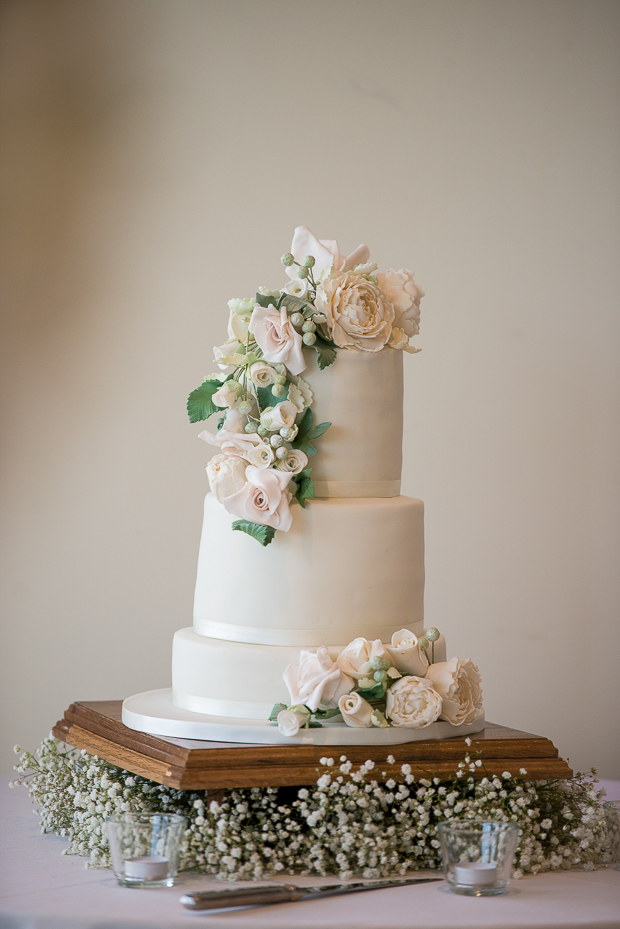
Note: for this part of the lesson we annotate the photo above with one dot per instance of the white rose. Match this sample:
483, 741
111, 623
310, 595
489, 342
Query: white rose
226, 396
317, 680
261, 456
282, 414
300, 393
277, 337
359, 315
412, 703
231, 442
226, 475
262, 375
264, 498
405, 653
458, 682
325, 252
298, 288
289, 723
295, 461
355, 658
356, 711
237, 326
227, 355
405, 295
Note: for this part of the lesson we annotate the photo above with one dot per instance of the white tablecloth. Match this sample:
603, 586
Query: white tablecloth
42, 889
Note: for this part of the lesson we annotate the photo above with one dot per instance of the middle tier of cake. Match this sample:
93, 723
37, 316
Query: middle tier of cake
347, 567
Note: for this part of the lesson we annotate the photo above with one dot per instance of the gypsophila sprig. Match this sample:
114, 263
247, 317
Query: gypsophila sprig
348, 823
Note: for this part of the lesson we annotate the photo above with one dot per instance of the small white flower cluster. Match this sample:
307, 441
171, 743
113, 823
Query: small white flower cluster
348, 823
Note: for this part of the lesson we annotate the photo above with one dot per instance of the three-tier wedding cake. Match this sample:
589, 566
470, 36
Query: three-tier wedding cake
310, 583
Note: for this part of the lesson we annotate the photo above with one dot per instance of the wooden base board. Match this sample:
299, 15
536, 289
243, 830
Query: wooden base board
190, 765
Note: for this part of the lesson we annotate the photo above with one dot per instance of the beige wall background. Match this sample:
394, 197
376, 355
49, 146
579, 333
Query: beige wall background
157, 156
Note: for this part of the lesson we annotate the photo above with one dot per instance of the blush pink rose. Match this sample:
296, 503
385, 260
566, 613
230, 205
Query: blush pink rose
263, 499
277, 337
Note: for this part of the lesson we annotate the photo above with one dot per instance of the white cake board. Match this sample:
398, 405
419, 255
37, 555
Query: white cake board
154, 713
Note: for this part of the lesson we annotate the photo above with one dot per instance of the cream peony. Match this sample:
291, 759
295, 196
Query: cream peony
295, 461
262, 375
356, 711
277, 337
289, 722
325, 252
262, 456
282, 414
405, 295
359, 315
355, 658
317, 680
226, 475
264, 498
405, 653
412, 703
458, 682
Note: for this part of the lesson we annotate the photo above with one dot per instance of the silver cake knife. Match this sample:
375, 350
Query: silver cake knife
284, 893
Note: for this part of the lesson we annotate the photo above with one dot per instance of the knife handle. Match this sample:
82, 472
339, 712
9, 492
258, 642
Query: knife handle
242, 896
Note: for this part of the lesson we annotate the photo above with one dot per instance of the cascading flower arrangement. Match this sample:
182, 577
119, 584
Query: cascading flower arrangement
372, 684
266, 428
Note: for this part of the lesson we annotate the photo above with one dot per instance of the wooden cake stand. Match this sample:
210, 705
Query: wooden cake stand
191, 765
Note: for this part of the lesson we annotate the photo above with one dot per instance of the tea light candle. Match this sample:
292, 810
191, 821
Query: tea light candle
147, 868
475, 873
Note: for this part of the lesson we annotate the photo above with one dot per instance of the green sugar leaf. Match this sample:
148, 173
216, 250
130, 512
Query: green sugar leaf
308, 432
262, 534
316, 431
325, 354
295, 305
373, 693
266, 398
200, 404
265, 301
305, 487
278, 707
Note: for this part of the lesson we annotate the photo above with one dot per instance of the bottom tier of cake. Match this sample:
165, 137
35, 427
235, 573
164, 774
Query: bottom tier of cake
235, 679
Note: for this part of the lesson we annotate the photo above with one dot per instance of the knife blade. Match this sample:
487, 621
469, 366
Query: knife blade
285, 893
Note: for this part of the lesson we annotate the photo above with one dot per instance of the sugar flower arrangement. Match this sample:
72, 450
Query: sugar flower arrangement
266, 428
372, 684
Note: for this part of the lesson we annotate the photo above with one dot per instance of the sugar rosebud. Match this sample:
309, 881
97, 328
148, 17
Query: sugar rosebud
289, 722
356, 711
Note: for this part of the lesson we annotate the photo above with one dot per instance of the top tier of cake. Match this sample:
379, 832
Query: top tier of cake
361, 394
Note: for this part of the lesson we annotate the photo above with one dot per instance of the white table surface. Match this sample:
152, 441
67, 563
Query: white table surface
42, 889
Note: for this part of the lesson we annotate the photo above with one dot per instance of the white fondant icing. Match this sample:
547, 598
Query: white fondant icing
356, 488
224, 678
346, 568
361, 394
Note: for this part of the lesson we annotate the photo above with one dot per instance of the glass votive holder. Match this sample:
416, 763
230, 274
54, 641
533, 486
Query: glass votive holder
477, 855
612, 817
145, 847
